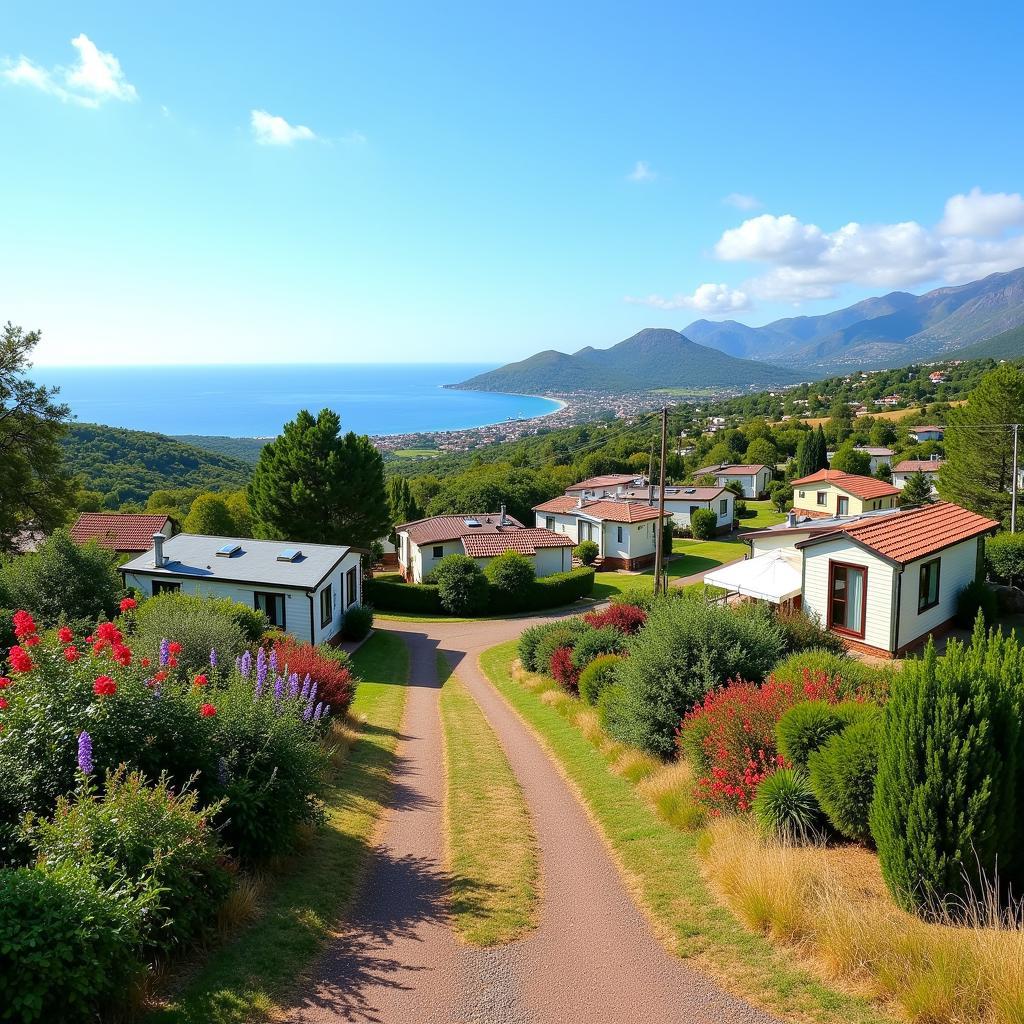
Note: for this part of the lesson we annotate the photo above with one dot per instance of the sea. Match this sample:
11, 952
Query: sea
257, 400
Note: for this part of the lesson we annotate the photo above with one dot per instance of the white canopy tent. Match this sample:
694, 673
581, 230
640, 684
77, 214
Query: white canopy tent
774, 576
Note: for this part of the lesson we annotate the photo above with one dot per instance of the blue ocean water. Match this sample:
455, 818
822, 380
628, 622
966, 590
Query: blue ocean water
255, 401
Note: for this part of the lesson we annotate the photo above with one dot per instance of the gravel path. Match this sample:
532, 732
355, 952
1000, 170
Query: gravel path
593, 957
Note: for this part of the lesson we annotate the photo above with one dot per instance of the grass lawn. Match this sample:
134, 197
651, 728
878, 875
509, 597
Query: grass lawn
415, 453
245, 979
491, 844
765, 515
661, 865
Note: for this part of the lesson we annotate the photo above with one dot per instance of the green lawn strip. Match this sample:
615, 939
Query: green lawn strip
584, 604
491, 843
244, 979
765, 514
662, 864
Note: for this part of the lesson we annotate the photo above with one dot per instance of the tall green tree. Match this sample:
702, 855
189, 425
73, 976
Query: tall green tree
402, 505
820, 450
314, 484
916, 491
978, 470
36, 492
848, 460
210, 516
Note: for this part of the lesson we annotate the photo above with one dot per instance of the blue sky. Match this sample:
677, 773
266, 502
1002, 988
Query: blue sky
428, 182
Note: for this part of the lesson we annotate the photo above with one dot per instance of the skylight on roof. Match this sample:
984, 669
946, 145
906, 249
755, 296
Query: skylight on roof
288, 555
472, 522
227, 550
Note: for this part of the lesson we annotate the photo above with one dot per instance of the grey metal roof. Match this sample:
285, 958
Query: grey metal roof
193, 556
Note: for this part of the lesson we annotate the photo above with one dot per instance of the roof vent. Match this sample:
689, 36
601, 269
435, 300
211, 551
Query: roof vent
228, 550
472, 522
289, 555
690, 490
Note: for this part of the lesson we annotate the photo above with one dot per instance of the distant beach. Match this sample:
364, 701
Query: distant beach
257, 400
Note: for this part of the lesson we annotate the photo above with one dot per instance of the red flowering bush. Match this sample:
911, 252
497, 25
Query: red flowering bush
563, 670
730, 737
626, 618
333, 678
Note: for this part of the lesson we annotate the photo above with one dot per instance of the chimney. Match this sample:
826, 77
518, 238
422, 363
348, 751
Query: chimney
158, 550
791, 518
502, 521
579, 501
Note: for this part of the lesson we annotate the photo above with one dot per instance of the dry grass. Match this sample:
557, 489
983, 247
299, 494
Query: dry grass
670, 790
242, 904
832, 906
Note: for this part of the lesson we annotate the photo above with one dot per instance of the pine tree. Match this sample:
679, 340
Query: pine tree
946, 811
820, 450
311, 484
916, 491
978, 469
402, 505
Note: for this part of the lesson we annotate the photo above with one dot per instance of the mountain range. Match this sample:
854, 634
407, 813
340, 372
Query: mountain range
653, 358
886, 331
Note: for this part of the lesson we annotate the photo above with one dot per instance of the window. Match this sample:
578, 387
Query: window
351, 587
822, 497
326, 601
928, 588
847, 588
165, 587
272, 605
438, 551
842, 506
549, 523
723, 507
693, 508
618, 534
803, 494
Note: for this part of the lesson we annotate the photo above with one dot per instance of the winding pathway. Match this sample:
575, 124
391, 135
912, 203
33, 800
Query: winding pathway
593, 957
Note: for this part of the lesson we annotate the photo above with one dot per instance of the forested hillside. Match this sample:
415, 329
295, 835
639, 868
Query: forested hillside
247, 449
128, 465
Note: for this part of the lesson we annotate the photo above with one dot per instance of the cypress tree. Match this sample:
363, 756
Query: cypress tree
820, 450
946, 811
805, 459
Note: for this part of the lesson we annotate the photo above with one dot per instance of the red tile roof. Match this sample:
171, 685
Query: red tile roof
730, 470
609, 480
441, 528
674, 493
860, 486
917, 466
915, 533
128, 532
525, 541
601, 508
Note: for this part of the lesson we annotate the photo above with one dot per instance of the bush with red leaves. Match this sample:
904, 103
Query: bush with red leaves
626, 618
563, 670
334, 682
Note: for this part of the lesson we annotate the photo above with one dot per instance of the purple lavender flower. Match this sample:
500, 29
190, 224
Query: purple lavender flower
261, 670
85, 753
213, 657
307, 713
305, 687
273, 659
319, 711
165, 651
278, 688
327, 710
312, 694
245, 664
293, 685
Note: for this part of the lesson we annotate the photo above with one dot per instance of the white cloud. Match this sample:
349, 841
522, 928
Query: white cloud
978, 213
742, 201
95, 77
710, 299
271, 130
641, 173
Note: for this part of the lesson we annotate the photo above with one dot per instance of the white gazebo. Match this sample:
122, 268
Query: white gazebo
774, 576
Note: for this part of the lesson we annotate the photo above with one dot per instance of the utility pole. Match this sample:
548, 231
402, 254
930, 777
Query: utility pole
1014, 484
659, 547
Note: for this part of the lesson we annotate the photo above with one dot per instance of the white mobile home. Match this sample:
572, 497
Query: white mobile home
681, 501
304, 589
754, 479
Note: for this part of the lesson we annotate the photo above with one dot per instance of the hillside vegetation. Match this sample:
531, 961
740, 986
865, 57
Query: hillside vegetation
128, 465
247, 449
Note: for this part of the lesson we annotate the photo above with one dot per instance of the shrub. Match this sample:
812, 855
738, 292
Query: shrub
563, 669
842, 773
804, 632
461, 585
526, 647
594, 642
69, 943
610, 705
945, 814
599, 674
511, 576
199, 625
156, 840
685, 649
558, 634
976, 598
703, 523
850, 677
335, 655
357, 623
806, 726
62, 580
785, 805
586, 551
1004, 556
331, 673
412, 598
626, 618
560, 588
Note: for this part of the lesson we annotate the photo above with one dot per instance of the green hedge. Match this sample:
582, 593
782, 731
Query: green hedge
423, 598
